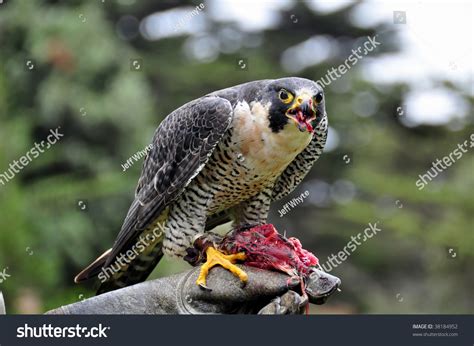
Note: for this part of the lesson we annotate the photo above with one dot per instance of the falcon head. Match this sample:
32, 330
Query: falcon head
294, 102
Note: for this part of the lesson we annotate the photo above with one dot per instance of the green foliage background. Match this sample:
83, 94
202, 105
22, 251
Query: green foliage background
82, 81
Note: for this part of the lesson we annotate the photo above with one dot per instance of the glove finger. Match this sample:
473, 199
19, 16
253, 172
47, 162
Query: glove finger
293, 302
290, 303
320, 286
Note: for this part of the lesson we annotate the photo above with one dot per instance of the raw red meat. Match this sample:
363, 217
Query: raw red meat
265, 248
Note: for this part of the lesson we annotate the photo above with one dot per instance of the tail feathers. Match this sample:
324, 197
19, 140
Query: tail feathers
93, 269
138, 271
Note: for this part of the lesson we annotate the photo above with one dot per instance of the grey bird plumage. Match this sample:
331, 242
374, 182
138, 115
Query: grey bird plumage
225, 156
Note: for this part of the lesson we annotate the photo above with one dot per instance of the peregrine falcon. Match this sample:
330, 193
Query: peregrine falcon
225, 156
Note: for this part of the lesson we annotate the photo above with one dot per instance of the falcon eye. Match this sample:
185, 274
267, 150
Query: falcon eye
285, 96
319, 97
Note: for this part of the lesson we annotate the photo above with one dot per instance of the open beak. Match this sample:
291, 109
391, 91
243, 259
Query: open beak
302, 113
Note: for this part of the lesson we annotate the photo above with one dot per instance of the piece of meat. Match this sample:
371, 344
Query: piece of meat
265, 248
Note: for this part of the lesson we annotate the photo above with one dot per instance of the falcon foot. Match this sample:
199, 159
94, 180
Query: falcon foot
213, 258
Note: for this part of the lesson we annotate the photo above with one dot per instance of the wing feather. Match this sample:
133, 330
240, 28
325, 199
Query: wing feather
182, 145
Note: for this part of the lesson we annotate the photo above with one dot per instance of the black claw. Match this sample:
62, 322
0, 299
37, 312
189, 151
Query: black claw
204, 287
192, 257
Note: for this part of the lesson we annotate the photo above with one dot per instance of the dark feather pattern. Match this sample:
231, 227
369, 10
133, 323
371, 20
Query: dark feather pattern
301, 165
182, 144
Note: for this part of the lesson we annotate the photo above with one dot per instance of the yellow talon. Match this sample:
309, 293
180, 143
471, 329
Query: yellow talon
214, 258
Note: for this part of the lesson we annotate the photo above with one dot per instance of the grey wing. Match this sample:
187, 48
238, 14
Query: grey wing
182, 145
301, 165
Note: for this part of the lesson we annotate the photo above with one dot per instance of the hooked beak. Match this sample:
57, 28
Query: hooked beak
302, 113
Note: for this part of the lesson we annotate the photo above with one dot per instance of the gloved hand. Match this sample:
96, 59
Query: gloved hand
266, 292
